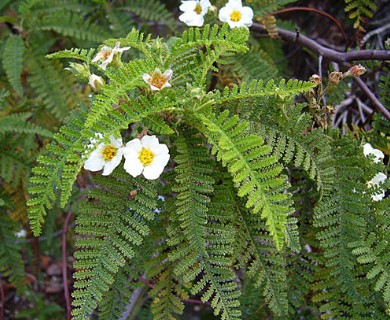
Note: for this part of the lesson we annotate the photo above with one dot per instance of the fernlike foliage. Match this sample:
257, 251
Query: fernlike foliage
11, 263
246, 170
359, 10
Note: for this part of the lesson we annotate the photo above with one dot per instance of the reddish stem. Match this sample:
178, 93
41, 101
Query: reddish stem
64, 266
2, 300
318, 12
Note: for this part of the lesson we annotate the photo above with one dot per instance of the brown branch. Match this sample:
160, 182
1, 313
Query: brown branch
336, 56
64, 266
318, 12
327, 53
373, 98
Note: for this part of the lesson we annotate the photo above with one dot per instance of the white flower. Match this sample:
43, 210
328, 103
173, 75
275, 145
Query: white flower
236, 15
105, 156
95, 81
107, 54
194, 12
158, 80
368, 150
146, 156
21, 234
375, 182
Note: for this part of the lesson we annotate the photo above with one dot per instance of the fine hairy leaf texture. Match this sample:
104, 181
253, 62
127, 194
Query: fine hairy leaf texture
254, 170
343, 220
260, 212
358, 10
12, 60
11, 263
111, 228
202, 249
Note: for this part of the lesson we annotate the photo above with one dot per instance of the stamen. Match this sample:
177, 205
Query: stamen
198, 8
235, 16
157, 80
109, 152
146, 156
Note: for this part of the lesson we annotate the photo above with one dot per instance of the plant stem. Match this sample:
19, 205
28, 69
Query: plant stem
64, 266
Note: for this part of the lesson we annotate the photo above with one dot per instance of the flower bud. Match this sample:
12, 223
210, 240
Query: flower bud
316, 79
355, 71
96, 82
335, 77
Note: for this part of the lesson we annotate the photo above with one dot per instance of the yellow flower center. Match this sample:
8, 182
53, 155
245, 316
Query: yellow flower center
105, 54
198, 8
235, 16
157, 80
109, 152
146, 156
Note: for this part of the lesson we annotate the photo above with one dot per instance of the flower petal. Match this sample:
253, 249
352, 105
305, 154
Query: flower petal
168, 74
188, 5
160, 149
149, 142
378, 155
379, 178
113, 163
205, 4
134, 144
95, 162
116, 142
378, 196
247, 12
146, 77
132, 165
154, 170
235, 4
165, 85
367, 149
224, 14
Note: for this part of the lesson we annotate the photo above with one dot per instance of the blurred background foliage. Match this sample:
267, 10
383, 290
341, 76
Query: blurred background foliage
36, 94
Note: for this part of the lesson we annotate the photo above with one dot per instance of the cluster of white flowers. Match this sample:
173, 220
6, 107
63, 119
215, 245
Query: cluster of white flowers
233, 13
145, 155
376, 156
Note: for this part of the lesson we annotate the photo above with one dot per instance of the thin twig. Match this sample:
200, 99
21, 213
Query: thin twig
326, 52
64, 266
2, 300
134, 298
375, 101
337, 57
318, 12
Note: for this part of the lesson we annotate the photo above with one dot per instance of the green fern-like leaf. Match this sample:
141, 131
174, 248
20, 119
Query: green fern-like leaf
79, 54
196, 52
358, 9
111, 230
255, 172
254, 250
11, 263
52, 87
202, 249
256, 89
152, 10
17, 123
342, 220
12, 60
70, 25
